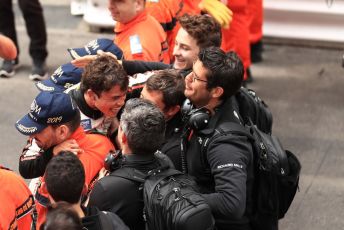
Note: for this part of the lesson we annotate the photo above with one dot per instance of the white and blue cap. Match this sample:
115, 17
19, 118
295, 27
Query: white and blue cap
48, 108
104, 44
64, 77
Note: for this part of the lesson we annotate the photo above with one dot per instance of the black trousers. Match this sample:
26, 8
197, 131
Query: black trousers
34, 22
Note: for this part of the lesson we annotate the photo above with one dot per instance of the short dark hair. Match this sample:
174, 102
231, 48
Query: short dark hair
65, 177
61, 216
102, 74
204, 29
171, 84
224, 70
144, 125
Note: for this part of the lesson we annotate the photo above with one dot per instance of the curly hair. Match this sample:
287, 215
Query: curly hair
204, 29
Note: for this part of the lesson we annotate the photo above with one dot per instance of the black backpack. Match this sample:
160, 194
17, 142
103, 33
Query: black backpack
171, 200
276, 170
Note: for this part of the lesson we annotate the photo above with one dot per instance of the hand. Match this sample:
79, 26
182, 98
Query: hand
218, 10
102, 173
101, 52
81, 62
8, 49
68, 145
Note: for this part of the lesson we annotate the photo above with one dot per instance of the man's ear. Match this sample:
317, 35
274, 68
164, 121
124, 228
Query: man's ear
92, 96
172, 111
217, 92
52, 201
63, 132
123, 138
139, 5
84, 190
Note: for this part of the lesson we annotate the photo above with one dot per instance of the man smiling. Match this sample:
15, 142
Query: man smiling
101, 94
222, 166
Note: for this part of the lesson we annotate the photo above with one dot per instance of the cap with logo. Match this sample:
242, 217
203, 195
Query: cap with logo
48, 108
104, 44
64, 77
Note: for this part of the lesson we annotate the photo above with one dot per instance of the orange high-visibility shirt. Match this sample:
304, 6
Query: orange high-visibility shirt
143, 38
191, 7
166, 13
17, 203
95, 147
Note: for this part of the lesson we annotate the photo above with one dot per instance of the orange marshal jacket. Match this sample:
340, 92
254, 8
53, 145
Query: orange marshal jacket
166, 13
95, 147
16, 201
143, 38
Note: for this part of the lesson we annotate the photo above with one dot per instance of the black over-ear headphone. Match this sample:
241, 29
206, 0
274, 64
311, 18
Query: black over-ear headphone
113, 160
197, 119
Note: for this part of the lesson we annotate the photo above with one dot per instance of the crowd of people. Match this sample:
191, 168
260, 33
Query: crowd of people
191, 68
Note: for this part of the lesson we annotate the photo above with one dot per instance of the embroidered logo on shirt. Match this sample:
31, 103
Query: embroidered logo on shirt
135, 44
230, 165
200, 140
86, 124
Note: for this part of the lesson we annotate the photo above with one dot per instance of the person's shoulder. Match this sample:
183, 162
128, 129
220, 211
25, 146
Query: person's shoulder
111, 220
97, 138
112, 182
108, 220
21, 194
153, 24
11, 178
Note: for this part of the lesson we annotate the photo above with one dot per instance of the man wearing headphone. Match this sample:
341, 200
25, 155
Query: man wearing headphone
224, 169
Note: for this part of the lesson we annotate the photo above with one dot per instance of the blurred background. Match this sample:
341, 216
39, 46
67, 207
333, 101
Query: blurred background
301, 78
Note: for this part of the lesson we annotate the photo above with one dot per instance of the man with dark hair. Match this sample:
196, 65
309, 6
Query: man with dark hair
140, 134
166, 90
65, 180
101, 94
223, 169
196, 32
62, 216
53, 124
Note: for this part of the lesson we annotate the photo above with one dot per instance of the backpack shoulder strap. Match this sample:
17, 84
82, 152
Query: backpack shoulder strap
138, 176
228, 128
